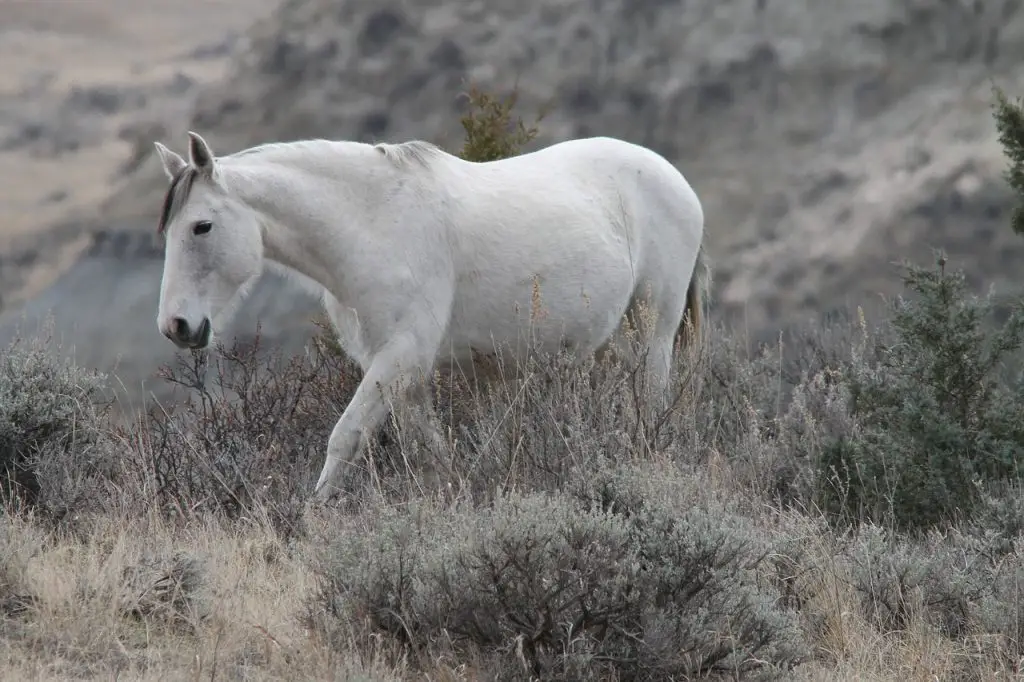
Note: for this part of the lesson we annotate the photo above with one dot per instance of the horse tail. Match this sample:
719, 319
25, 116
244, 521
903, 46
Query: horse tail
691, 326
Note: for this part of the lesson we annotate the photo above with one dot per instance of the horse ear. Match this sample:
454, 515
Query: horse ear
173, 163
200, 154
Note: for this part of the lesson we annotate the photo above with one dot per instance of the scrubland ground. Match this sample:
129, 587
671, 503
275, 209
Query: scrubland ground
843, 507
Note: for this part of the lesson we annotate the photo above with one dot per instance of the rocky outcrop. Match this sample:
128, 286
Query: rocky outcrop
826, 140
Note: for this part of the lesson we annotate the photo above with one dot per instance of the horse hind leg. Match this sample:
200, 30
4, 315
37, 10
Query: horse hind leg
419, 411
621, 346
653, 322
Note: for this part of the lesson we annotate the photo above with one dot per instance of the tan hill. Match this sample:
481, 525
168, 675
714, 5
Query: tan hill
826, 140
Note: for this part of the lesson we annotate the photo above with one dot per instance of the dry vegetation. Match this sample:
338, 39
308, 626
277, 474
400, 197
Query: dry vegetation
844, 506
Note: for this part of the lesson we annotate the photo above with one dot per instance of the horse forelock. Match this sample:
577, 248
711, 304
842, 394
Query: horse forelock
177, 195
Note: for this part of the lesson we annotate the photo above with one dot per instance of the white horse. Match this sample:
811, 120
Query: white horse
424, 259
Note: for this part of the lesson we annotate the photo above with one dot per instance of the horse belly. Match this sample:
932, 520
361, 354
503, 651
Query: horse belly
576, 303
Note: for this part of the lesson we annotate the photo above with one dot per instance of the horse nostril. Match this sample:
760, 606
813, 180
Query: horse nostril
179, 327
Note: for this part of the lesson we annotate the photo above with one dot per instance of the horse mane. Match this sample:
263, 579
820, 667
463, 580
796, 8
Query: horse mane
177, 195
403, 153
400, 154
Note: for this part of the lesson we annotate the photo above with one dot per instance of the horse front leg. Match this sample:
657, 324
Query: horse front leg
390, 374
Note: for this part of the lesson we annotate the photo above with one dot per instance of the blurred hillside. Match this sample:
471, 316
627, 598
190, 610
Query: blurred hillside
826, 140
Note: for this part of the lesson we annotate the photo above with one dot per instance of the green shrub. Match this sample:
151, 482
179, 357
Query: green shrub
622, 578
936, 417
491, 132
1009, 120
55, 455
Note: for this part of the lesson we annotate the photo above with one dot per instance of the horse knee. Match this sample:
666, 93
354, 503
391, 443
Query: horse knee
343, 443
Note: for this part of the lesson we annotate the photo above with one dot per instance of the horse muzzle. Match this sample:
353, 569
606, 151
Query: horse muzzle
184, 335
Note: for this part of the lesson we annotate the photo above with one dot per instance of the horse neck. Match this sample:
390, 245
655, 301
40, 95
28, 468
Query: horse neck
309, 212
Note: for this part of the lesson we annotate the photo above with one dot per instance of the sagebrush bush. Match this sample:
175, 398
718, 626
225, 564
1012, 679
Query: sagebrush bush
898, 580
606, 581
165, 590
936, 415
547, 418
951, 581
249, 434
55, 455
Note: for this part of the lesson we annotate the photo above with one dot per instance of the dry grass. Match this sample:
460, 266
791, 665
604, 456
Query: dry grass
102, 610
145, 581
111, 605
850, 647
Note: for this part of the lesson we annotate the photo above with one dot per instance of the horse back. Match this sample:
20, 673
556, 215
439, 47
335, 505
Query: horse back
579, 225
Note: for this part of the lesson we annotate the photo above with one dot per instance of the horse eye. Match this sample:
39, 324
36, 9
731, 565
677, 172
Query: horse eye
202, 227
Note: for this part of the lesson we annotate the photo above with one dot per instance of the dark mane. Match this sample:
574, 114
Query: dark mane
177, 195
